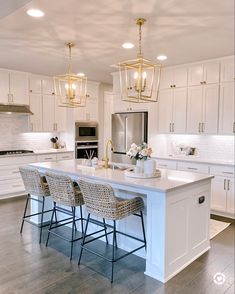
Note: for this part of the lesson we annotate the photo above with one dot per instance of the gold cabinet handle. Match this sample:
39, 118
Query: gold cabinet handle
234, 127
170, 127
228, 186
173, 127
201, 83
199, 127
224, 184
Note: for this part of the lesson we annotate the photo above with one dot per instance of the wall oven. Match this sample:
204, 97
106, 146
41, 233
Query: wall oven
86, 139
86, 131
87, 150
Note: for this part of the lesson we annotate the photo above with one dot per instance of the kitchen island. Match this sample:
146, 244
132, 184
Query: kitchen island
177, 213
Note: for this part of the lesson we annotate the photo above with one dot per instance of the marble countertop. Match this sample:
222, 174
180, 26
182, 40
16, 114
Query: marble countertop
168, 181
196, 159
38, 152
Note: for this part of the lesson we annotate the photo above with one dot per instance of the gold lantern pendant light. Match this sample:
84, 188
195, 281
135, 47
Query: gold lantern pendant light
139, 78
71, 89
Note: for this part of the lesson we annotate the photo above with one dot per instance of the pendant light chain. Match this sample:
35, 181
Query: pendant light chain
140, 32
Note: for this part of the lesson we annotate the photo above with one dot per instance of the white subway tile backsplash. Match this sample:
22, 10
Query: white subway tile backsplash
13, 134
209, 146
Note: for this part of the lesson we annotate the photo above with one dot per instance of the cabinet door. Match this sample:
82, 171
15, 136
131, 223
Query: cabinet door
19, 87
91, 109
210, 109
36, 108
48, 86
60, 118
165, 111
218, 194
166, 80
4, 86
227, 70
226, 109
179, 110
35, 84
48, 108
195, 75
194, 113
230, 196
211, 72
180, 77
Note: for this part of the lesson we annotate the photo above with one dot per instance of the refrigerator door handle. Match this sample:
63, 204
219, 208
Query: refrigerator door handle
125, 132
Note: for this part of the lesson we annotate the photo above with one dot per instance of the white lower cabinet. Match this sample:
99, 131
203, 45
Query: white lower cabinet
11, 183
222, 185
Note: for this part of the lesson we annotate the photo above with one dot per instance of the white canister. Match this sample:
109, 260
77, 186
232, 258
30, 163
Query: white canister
149, 166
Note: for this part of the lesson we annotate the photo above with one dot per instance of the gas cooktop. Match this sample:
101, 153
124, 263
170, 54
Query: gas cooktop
11, 152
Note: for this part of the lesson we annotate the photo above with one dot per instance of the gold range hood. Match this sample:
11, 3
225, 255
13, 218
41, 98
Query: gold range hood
15, 109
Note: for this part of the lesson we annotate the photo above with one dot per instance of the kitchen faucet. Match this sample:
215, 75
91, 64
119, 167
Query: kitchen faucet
109, 142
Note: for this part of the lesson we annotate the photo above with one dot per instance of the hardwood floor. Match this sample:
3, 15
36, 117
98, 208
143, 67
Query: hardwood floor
26, 267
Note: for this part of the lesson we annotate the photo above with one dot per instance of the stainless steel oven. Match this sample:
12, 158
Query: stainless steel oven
86, 131
86, 150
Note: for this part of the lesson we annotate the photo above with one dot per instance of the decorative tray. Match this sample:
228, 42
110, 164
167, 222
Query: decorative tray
131, 173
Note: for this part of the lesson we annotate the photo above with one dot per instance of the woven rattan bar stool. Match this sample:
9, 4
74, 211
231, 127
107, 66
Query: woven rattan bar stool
35, 186
101, 201
64, 193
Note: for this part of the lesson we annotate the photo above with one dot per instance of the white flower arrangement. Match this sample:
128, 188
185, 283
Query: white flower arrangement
139, 152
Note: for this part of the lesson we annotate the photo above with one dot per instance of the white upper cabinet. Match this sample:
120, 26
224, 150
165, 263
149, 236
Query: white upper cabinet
36, 108
174, 77
172, 111
226, 109
60, 121
202, 111
4, 86
19, 87
48, 86
35, 84
227, 70
204, 73
48, 108
14, 87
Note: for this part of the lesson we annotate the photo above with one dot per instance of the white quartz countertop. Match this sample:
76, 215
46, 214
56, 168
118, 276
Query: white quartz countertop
38, 152
196, 159
168, 181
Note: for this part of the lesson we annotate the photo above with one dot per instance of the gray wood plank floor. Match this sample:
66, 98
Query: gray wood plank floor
27, 267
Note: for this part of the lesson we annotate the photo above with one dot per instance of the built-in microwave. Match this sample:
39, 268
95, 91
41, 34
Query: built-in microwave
86, 131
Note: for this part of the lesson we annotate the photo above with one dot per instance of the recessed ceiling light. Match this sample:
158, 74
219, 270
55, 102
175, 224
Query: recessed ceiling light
127, 45
35, 13
81, 74
162, 57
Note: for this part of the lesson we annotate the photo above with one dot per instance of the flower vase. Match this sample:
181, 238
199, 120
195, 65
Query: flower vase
149, 166
139, 166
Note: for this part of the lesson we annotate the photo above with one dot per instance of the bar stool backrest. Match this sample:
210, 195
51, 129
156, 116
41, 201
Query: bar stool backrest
33, 182
61, 188
99, 199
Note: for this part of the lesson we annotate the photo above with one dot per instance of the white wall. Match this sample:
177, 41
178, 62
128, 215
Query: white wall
209, 146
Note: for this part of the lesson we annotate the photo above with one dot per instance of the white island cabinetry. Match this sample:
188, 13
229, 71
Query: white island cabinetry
10, 180
177, 213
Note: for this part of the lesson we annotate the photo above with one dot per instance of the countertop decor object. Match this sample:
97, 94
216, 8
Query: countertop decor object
141, 153
139, 77
54, 141
131, 172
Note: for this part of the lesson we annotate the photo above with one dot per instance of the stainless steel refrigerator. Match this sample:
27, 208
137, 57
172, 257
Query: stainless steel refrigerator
128, 128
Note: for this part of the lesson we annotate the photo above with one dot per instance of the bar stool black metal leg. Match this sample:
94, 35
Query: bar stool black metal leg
113, 253
142, 222
81, 220
83, 239
25, 210
105, 229
74, 208
73, 226
56, 220
52, 217
41, 223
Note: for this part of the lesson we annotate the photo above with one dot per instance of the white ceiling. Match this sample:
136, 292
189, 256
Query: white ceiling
185, 30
